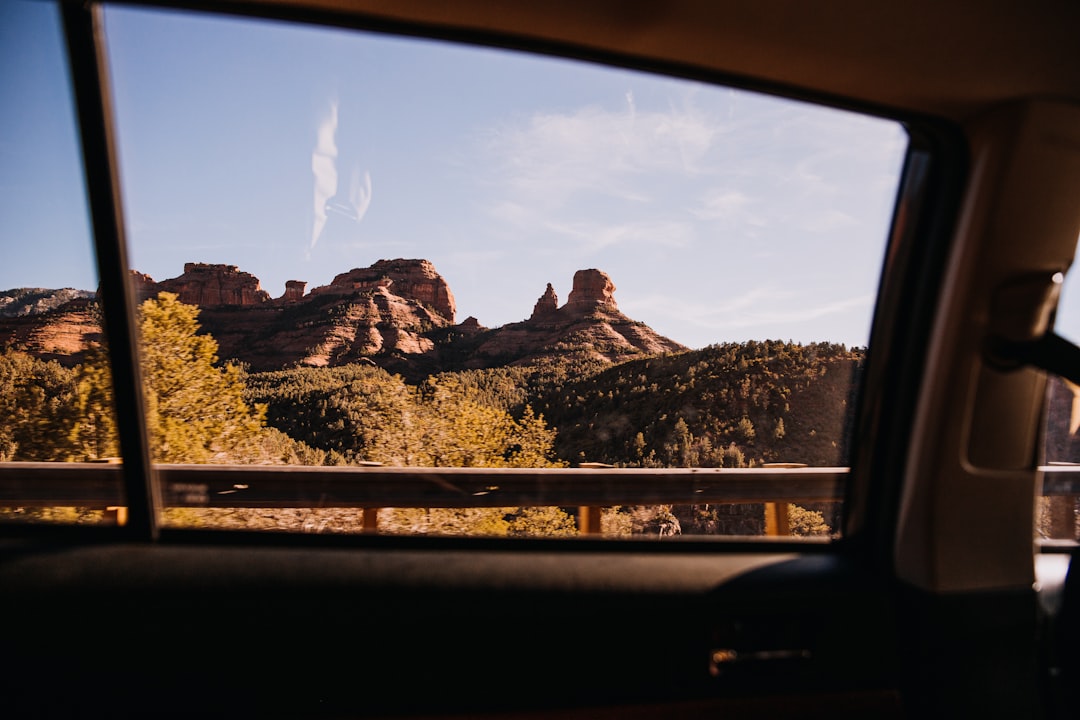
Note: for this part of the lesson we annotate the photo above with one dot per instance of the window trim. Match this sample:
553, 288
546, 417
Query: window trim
84, 34
872, 490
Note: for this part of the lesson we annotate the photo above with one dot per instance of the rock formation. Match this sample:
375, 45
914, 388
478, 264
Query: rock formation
143, 285
397, 313
294, 291
33, 301
546, 307
592, 288
470, 326
208, 285
589, 326
64, 333
409, 279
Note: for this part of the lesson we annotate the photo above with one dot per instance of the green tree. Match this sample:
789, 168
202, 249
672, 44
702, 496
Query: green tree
806, 522
195, 410
92, 431
542, 521
35, 407
444, 521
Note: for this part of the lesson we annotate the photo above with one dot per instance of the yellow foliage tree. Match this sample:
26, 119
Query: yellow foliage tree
195, 410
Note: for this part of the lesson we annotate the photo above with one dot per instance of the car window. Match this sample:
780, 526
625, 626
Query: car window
438, 289
1058, 510
55, 391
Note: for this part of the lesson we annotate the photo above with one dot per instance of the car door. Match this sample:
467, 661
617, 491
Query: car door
920, 600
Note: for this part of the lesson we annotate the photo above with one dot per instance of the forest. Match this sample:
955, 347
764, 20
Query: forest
728, 405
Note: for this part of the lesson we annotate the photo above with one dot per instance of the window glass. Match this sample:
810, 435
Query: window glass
1058, 511
55, 390
384, 254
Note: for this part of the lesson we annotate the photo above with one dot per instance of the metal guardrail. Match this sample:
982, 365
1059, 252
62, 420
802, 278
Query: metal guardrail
285, 486
288, 486
279, 486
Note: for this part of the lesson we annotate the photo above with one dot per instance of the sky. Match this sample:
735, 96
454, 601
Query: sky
298, 153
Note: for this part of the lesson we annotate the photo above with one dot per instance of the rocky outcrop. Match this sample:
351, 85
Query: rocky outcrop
589, 326
470, 326
34, 301
592, 288
144, 286
379, 310
208, 285
64, 333
294, 291
372, 321
546, 307
409, 279
397, 313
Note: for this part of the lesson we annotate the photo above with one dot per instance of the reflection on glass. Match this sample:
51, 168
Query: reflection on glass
55, 389
357, 250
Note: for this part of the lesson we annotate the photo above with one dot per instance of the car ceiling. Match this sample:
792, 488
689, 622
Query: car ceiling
949, 59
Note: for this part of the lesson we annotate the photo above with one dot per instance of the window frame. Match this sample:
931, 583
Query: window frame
932, 178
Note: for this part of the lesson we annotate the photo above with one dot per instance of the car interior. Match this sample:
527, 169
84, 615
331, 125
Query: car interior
937, 598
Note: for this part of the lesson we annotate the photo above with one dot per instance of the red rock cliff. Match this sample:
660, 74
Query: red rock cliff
408, 279
547, 306
592, 288
208, 285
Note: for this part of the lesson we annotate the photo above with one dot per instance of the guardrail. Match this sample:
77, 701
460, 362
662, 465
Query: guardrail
289, 486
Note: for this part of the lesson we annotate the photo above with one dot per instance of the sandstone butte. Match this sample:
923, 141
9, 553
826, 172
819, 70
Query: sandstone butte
399, 314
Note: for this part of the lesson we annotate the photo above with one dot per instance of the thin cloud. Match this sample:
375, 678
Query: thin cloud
760, 307
828, 221
725, 205
554, 157
592, 237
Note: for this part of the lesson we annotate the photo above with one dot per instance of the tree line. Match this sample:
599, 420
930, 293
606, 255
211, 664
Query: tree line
730, 405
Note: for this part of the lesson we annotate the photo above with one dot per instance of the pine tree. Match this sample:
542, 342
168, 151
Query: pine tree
195, 409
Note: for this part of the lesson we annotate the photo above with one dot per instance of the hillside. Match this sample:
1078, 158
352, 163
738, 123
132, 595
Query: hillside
727, 405
730, 405
22, 302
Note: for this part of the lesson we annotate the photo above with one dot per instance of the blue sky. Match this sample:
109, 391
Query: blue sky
300, 153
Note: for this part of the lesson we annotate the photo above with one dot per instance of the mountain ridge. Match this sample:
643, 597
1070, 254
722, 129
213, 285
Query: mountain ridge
399, 314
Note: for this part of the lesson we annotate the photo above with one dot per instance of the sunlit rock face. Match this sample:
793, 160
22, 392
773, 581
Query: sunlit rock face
58, 325
398, 314
589, 326
408, 279
546, 307
385, 310
294, 291
208, 285
592, 288
382, 310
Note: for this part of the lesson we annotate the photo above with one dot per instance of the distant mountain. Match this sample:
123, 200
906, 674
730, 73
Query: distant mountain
34, 301
398, 314
59, 325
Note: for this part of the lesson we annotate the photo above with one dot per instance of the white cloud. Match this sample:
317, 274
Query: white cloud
705, 196
729, 207
760, 308
594, 236
828, 221
553, 157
